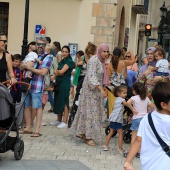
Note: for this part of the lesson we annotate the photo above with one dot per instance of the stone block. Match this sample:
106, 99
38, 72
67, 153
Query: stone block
110, 10
100, 38
107, 31
97, 10
110, 39
96, 30
104, 1
103, 22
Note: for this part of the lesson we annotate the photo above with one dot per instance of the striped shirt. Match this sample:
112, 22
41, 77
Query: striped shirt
117, 113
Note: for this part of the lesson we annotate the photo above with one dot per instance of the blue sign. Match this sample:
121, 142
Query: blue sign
37, 29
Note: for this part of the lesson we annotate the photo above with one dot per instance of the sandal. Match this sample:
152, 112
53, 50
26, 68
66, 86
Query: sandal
106, 148
36, 134
81, 137
122, 151
90, 142
25, 132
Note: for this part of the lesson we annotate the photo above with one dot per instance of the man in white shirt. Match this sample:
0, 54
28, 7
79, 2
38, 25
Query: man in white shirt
152, 156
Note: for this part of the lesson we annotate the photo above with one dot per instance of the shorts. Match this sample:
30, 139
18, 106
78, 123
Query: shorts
115, 125
135, 124
44, 98
16, 96
33, 100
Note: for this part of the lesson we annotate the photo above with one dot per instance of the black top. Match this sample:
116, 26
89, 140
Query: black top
3, 68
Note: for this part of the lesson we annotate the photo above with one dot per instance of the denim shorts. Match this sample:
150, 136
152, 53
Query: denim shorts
33, 99
115, 125
135, 124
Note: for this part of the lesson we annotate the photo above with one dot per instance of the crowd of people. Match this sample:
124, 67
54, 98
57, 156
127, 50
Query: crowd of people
95, 69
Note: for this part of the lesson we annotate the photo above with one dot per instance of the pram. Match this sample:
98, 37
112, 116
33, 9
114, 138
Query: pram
75, 103
127, 115
11, 117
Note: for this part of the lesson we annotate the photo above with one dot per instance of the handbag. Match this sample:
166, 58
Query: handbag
164, 146
56, 87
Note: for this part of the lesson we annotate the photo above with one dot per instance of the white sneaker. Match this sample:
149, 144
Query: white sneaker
62, 125
55, 123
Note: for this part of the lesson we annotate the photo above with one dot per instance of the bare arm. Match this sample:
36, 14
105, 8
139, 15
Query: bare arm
62, 71
9, 65
153, 69
58, 56
133, 150
152, 106
130, 62
129, 105
10, 70
145, 61
41, 72
109, 70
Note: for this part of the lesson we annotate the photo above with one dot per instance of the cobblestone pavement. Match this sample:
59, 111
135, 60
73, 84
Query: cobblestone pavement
59, 144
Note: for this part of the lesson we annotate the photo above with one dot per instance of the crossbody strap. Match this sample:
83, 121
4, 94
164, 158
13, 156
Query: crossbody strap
39, 64
164, 146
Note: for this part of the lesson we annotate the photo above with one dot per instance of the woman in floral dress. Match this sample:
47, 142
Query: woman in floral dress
86, 124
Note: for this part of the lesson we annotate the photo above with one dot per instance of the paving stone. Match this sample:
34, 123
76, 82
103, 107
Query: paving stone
63, 148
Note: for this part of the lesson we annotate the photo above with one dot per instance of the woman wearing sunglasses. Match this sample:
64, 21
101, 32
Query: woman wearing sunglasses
5, 61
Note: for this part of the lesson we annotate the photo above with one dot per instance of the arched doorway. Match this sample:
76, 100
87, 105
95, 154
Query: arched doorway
122, 28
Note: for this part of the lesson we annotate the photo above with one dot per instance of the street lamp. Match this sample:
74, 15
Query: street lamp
162, 25
25, 40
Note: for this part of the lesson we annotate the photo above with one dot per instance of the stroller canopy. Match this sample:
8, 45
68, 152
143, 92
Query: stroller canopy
6, 102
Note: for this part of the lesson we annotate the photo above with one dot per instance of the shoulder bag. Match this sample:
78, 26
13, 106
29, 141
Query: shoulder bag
164, 146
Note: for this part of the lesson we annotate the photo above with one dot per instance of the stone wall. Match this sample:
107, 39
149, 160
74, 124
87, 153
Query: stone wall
104, 30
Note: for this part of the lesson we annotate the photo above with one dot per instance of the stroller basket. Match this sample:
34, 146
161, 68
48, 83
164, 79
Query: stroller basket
7, 144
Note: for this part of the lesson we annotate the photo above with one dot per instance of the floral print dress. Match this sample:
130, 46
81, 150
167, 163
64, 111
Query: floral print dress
91, 103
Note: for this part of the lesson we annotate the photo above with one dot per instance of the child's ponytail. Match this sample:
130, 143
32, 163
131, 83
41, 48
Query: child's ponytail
140, 89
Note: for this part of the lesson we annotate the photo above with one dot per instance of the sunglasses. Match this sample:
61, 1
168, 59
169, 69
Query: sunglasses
41, 44
149, 54
5, 41
128, 56
106, 51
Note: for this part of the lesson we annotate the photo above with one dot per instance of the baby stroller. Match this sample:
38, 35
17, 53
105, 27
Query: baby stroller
11, 117
127, 115
75, 103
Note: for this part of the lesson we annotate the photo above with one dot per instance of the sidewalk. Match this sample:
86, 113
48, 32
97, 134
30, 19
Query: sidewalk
59, 144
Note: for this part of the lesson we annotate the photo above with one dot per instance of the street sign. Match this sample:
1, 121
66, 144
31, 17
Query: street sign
153, 40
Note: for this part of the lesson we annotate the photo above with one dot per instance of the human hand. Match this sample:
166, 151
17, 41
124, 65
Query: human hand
135, 112
147, 72
104, 94
127, 166
12, 81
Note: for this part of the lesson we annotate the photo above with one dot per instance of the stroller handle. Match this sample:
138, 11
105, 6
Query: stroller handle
18, 82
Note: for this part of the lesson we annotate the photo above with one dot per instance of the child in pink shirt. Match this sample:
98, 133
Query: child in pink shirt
140, 103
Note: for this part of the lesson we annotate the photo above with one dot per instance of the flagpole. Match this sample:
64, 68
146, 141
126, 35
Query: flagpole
25, 40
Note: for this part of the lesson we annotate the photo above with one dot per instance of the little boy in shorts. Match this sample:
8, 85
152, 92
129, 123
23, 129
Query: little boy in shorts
16, 88
152, 155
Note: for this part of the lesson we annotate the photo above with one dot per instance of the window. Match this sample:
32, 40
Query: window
4, 13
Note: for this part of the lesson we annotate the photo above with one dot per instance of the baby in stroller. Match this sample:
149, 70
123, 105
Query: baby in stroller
11, 116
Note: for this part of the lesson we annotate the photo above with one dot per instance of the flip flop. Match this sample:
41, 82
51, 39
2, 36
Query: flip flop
90, 142
25, 132
36, 134
81, 137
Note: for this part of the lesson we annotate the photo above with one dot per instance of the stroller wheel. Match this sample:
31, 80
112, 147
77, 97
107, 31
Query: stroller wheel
127, 135
107, 131
70, 121
19, 149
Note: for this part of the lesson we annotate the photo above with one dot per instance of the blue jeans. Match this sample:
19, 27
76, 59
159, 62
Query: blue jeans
51, 98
